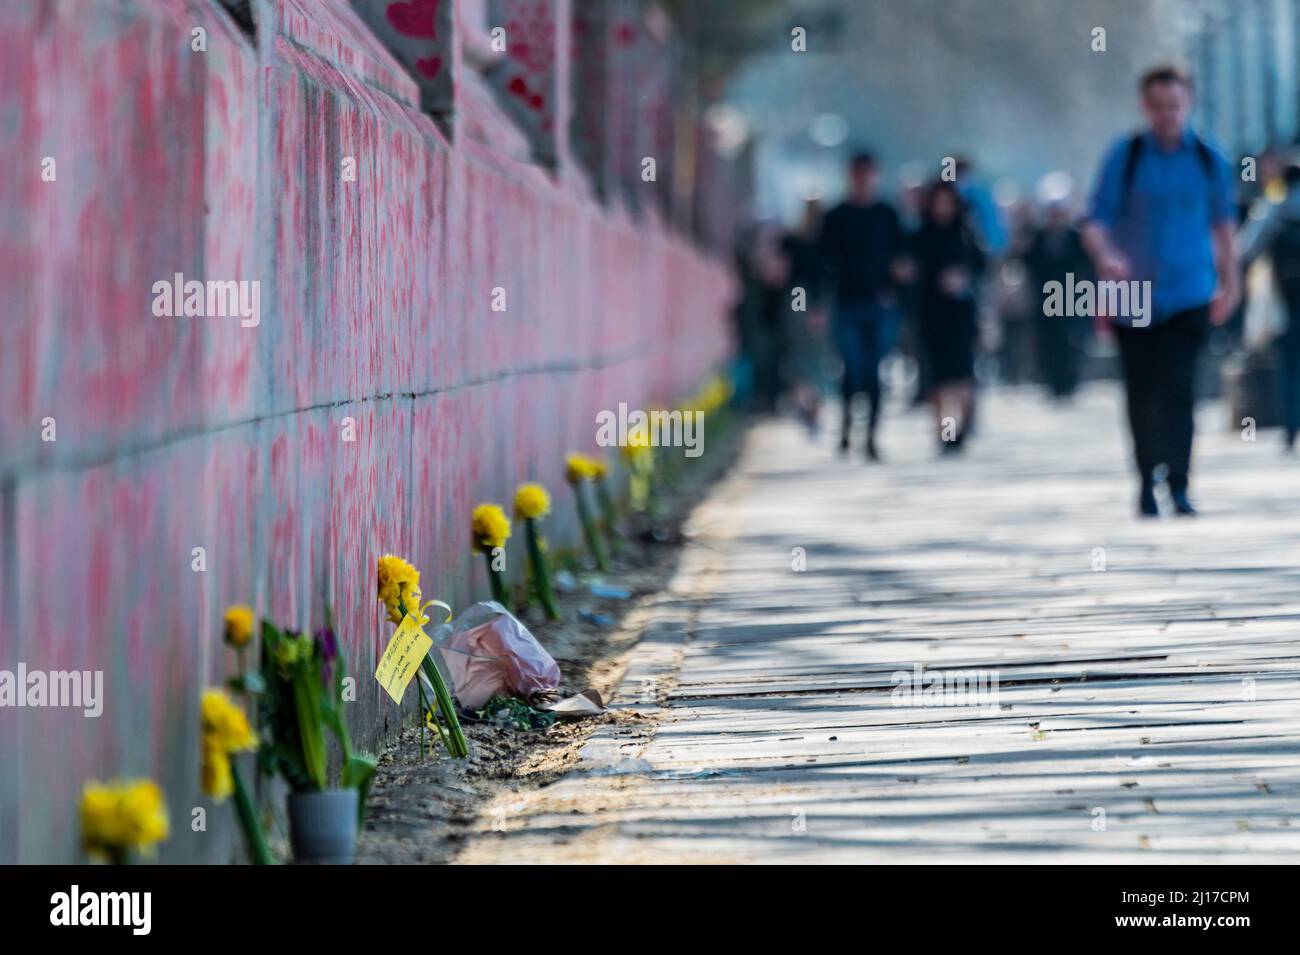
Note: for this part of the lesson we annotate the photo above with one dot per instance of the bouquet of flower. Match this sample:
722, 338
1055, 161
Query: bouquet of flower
302, 702
399, 591
121, 818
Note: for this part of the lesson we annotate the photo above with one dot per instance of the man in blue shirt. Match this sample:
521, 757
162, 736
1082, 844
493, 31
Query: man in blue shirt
1161, 223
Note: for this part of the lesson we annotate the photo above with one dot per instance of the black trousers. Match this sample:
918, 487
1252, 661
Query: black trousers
1288, 346
1159, 364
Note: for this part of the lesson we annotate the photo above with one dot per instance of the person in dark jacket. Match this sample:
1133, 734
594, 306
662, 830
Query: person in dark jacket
861, 249
1055, 252
1275, 231
772, 299
805, 358
948, 261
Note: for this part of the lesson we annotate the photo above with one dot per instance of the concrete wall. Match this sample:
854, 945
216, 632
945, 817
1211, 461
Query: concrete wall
176, 433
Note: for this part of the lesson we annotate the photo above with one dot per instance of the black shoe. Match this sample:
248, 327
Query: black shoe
844, 443
1182, 506
873, 453
1147, 503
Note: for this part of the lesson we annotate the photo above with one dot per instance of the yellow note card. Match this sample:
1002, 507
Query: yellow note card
402, 657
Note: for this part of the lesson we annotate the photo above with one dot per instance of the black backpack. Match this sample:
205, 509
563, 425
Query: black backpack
1134, 152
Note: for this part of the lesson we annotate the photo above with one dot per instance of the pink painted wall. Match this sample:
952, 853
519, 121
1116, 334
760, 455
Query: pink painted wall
175, 433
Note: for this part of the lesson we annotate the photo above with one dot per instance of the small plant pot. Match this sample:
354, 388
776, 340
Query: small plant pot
323, 826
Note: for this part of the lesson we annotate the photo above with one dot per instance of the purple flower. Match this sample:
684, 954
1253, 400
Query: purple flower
328, 645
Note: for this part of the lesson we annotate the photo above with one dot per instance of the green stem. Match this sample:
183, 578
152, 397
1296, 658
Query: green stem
497, 581
541, 575
434, 707
610, 515
423, 707
454, 738
589, 529
307, 703
639, 483
254, 837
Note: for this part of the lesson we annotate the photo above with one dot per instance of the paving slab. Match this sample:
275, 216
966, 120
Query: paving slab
975, 658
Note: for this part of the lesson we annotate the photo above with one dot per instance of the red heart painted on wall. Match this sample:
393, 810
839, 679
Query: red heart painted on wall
429, 66
415, 18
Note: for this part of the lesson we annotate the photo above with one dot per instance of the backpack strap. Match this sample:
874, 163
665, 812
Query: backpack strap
1131, 155
1207, 159
1133, 152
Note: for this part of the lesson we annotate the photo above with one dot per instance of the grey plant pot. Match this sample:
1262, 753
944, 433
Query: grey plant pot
323, 826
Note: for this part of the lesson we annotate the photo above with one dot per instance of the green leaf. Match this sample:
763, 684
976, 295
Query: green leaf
358, 774
307, 702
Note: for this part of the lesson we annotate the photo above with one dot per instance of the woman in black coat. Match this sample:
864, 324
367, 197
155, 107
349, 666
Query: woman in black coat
948, 262
1056, 252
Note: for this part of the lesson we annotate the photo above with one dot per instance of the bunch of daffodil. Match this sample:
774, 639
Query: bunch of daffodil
225, 732
490, 529
532, 503
639, 455
599, 468
399, 588
119, 818
580, 470
399, 591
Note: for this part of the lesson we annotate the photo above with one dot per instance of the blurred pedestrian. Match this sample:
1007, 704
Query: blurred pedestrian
861, 248
1007, 295
949, 262
1056, 252
1274, 230
983, 216
805, 362
771, 270
1162, 213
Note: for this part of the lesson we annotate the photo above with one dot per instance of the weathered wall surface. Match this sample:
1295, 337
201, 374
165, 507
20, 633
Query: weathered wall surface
176, 433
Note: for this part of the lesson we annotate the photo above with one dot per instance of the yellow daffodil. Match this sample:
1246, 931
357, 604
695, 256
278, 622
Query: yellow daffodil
225, 731
532, 501
239, 623
399, 586
216, 776
121, 816
578, 468
490, 527
224, 723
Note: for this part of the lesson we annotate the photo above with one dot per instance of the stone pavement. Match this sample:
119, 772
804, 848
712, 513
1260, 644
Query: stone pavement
1147, 704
